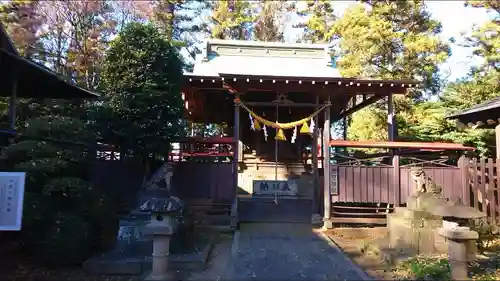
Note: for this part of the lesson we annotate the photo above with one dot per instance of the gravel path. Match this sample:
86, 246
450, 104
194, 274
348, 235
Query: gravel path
290, 251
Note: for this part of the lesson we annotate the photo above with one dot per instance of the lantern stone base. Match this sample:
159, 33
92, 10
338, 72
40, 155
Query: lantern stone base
415, 230
460, 249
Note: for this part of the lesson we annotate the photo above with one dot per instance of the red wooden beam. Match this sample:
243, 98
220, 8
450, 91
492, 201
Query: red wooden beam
211, 140
400, 144
201, 154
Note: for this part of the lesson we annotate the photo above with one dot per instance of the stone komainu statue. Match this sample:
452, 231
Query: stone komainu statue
423, 183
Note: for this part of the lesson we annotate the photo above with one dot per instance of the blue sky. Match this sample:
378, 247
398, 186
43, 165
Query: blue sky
456, 19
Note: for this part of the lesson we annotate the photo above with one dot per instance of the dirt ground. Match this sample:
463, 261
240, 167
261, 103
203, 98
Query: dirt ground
354, 241
361, 245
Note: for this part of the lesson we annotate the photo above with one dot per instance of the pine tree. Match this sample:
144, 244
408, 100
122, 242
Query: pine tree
178, 18
231, 18
320, 20
390, 40
271, 21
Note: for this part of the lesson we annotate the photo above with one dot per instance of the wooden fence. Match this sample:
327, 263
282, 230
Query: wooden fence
484, 184
358, 182
206, 180
474, 181
119, 179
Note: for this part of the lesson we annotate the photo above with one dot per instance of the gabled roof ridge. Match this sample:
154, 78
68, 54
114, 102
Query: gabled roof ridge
248, 43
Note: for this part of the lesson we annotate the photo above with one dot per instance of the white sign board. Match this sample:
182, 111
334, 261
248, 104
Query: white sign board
11, 200
278, 187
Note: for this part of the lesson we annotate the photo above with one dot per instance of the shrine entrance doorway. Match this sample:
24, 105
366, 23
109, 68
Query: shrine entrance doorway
276, 175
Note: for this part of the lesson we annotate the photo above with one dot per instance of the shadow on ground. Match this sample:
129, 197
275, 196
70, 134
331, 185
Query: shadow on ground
361, 245
258, 251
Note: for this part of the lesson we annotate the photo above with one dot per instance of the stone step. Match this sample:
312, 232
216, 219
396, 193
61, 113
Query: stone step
271, 161
217, 228
345, 214
272, 170
358, 221
272, 167
265, 209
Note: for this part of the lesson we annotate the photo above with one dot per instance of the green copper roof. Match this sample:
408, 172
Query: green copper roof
255, 58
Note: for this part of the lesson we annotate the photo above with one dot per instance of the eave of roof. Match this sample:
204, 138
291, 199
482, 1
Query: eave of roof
485, 115
263, 44
35, 81
222, 76
479, 108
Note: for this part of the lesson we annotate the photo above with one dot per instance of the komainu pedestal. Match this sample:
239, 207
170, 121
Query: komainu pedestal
415, 230
415, 226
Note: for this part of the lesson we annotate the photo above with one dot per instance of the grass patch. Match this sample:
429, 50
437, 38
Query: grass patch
424, 267
367, 247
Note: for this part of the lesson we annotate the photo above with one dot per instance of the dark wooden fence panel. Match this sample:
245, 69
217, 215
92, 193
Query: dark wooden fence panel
204, 180
119, 179
449, 178
376, 184
474, 181
365, 184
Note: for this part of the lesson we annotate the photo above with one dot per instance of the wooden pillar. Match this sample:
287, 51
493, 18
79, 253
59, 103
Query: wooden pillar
344, 128
391, 121
396, 180
326, 165
236, 140
463, 164
497, 141
314, 162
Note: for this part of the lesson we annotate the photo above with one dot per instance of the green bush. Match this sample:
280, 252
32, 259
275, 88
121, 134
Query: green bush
424, 268
67, 241
487, 232
65, 218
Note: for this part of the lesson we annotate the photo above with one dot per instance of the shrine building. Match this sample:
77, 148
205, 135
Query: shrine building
248, 84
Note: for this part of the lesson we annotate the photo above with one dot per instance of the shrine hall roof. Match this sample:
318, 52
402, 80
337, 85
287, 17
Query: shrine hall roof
484, 115
254, 58
33, 80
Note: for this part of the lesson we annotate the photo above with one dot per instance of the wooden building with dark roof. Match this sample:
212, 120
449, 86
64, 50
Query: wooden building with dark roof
22, 78
482, 116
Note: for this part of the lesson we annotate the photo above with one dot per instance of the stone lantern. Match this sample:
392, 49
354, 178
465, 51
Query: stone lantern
456, 209
461, 240
162, 226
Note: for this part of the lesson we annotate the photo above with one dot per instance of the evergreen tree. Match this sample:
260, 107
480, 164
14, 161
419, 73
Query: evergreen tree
231, 18
389, 40
141, 113
319, 23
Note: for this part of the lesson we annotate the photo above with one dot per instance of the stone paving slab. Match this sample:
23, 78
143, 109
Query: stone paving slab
288, 251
